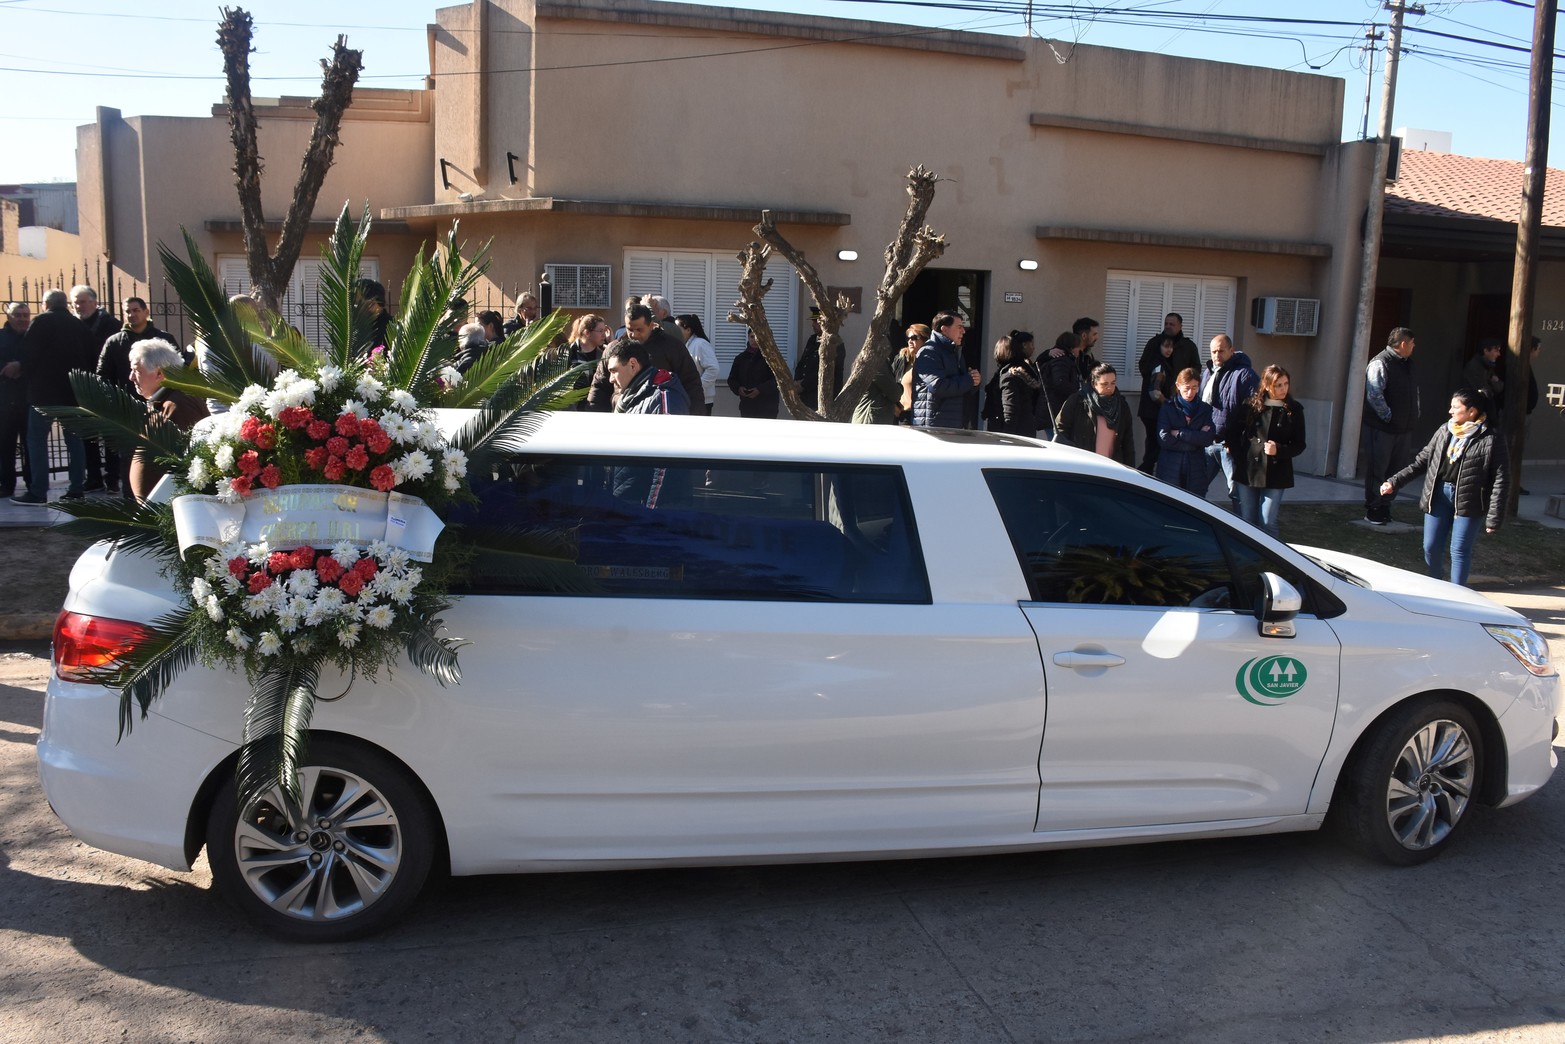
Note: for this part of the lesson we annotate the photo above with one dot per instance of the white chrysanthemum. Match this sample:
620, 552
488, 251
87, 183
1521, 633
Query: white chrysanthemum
348, 636
403, 399
231, 584
258, 605
275, 402
398, 428
429, 435
396, 559
288, 620
452, 483
199, 474
303, 582
415, 576
228, 494
411, 467
381, 616
258, 553
380, 550
238, 639
214, 609
248, 400
303, 644
200, 590
285, 378
269, 644
358, 409
329, 600
450, 376
201, 431
456, 462
301, 393
369, 388
225, 458
329, 377
346, 553
399, 589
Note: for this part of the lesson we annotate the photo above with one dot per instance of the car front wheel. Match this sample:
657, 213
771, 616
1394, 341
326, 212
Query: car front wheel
1411, 789
345, 863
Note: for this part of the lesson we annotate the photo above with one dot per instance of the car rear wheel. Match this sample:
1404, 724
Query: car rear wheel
1411, 788
345, 863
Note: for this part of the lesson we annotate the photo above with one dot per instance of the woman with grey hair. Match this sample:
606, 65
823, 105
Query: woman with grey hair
148, 360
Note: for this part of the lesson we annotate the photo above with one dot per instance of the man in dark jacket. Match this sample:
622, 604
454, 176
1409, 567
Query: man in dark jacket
666, 353
643, 388
13, 394
1228, 381
103, 464
807, 372
57, 343
752, 380
1390, 414
1186, 354
114, 367
939, 378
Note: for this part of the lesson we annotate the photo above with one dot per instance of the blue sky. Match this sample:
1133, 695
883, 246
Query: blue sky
161, 59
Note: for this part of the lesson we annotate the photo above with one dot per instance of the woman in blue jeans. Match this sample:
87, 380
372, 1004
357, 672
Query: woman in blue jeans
1466, 480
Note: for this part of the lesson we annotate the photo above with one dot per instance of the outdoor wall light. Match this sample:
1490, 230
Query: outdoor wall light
1027, 264
847, 255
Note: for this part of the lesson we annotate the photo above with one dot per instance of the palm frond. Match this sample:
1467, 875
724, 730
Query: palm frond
287, 345
493, 435
347, 325
103, 411
145, 672
425, 341
277, 723
135, 526
534, 558
226, 332
434, 655
512, 358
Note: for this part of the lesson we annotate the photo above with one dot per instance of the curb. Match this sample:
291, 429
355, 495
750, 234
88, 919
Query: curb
26, 627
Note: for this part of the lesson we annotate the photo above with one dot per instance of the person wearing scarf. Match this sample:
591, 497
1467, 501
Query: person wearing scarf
1185, 429
1098, 419
1466, 481
1265, 433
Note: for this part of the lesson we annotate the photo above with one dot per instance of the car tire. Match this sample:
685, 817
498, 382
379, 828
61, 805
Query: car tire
354, 864
1412, 787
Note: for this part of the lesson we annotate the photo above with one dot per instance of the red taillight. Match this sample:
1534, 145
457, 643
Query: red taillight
83, 643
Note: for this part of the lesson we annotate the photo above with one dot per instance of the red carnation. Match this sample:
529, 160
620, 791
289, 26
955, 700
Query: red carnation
266, 436
379, 442
279, 562
250, 463
334, 469
351, 584
337, 447
316, 458
295, 417
303, 558
366, 567
259, 582
248, 429
317, 430
368, 426
357, 458
240, 484
238, 566
271, 478
383, 478
328, 569
348, 424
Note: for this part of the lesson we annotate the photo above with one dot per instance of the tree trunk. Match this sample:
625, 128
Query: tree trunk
270, 272
915, 245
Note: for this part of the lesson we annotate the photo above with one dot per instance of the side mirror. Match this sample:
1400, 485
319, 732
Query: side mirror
1278, 604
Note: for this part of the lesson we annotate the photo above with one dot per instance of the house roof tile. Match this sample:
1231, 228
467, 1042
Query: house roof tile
1442, 184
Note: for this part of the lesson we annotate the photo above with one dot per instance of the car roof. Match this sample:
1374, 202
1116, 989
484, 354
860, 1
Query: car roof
735, 438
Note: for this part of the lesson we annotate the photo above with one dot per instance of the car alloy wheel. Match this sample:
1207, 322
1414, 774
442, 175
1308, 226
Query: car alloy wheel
1431, 785
344, 863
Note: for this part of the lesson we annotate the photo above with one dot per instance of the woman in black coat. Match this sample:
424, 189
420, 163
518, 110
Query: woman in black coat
1018, 384
1264, 434
1467, 479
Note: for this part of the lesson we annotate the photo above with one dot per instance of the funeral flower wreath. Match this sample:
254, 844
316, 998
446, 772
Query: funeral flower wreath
303, 522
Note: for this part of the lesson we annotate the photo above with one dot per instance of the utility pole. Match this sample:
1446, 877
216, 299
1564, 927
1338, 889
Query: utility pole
1370, 39
1524, 277
1369, 265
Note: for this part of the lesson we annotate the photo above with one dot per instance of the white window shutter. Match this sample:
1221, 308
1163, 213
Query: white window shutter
728, 338
1217, 310
644, 273
690, 286
1184, 297
1117, 343
234, 274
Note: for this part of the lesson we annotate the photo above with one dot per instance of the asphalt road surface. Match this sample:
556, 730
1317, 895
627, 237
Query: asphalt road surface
1286, 938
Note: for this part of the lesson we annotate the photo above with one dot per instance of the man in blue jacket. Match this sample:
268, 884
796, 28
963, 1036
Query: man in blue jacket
1228, 380
939, 378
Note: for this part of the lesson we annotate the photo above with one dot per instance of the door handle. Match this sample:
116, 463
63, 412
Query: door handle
1079, 659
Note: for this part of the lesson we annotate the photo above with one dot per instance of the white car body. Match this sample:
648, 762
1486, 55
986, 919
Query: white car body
610, 732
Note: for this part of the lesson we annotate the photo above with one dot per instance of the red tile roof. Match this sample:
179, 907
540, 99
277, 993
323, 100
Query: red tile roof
1441, 184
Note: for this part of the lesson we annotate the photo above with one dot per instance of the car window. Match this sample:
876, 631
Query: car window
1094, 542
694, 529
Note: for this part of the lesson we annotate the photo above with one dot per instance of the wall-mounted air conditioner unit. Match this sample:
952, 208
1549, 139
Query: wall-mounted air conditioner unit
1285, 316
580, 286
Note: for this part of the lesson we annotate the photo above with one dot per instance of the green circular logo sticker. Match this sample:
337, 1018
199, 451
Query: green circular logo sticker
1268, 680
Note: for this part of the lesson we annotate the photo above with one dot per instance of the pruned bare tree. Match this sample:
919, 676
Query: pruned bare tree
915, 245
270, 272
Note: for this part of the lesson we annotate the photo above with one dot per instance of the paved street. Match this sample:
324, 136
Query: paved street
1276, 939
